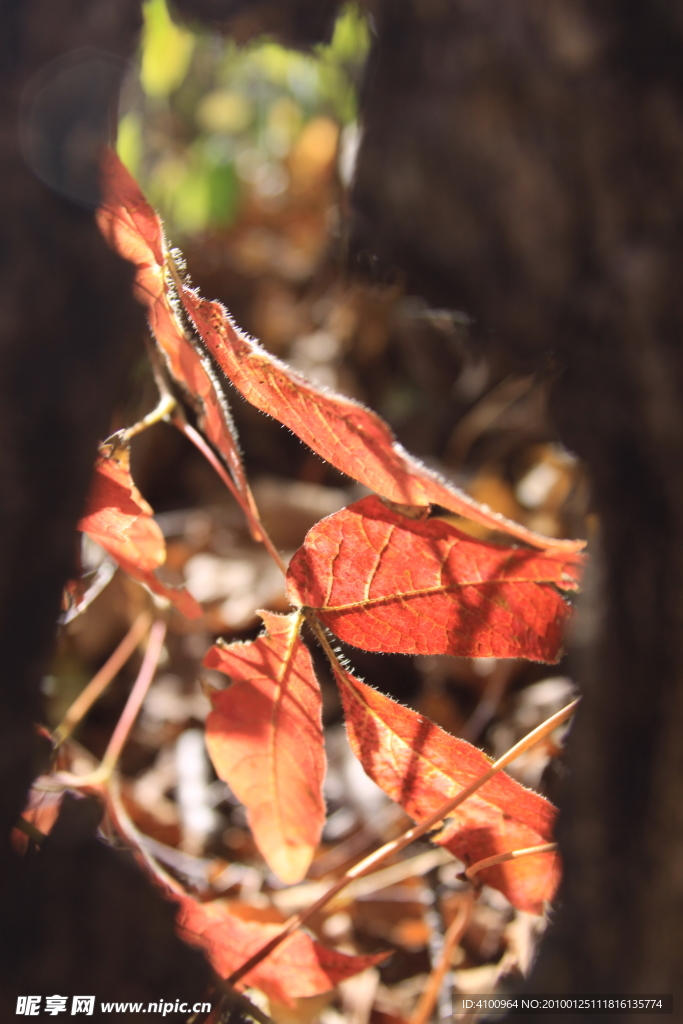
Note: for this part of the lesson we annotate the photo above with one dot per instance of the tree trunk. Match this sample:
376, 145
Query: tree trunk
68, 319
79, 917
524, 162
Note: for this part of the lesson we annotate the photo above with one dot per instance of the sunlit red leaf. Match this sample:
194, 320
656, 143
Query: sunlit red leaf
386, 582
134, 230
343, 432
120, 520
299, 967
265, 739
420, 767
118, 517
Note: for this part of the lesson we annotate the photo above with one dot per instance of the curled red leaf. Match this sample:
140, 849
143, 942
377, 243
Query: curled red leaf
420, 766
345, 433
134, 230
385, 582
299, 967
265, 739
119, 519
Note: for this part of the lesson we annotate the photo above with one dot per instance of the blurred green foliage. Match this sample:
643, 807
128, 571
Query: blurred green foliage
205, 121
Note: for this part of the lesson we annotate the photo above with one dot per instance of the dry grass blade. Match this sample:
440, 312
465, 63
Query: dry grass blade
501, 858
456, 929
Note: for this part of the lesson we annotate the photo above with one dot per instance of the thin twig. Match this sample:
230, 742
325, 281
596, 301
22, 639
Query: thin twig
172, 268
300, 896
99, 683
454, 933
161, 378
501, 858
483, 415
371, 862
357, 842
198, 441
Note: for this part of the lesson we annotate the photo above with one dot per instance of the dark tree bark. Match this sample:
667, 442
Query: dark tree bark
523, 161
298, 23
76, 918
68, 317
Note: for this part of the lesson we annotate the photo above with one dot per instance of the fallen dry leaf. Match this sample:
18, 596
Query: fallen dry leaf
299, 967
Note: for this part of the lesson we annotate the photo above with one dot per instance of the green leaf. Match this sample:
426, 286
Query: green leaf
166, 51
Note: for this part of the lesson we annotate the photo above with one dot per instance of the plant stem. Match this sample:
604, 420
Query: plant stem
99, 780
454, 933
163, 410
501, 858
159, 371
198, 441
99, 683
371, 862
137, 695
121, 821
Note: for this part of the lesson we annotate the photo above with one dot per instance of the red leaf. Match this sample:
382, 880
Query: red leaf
265, 739
420, 766
384, 582
134, 230
299, 967
342, 431
120, 520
